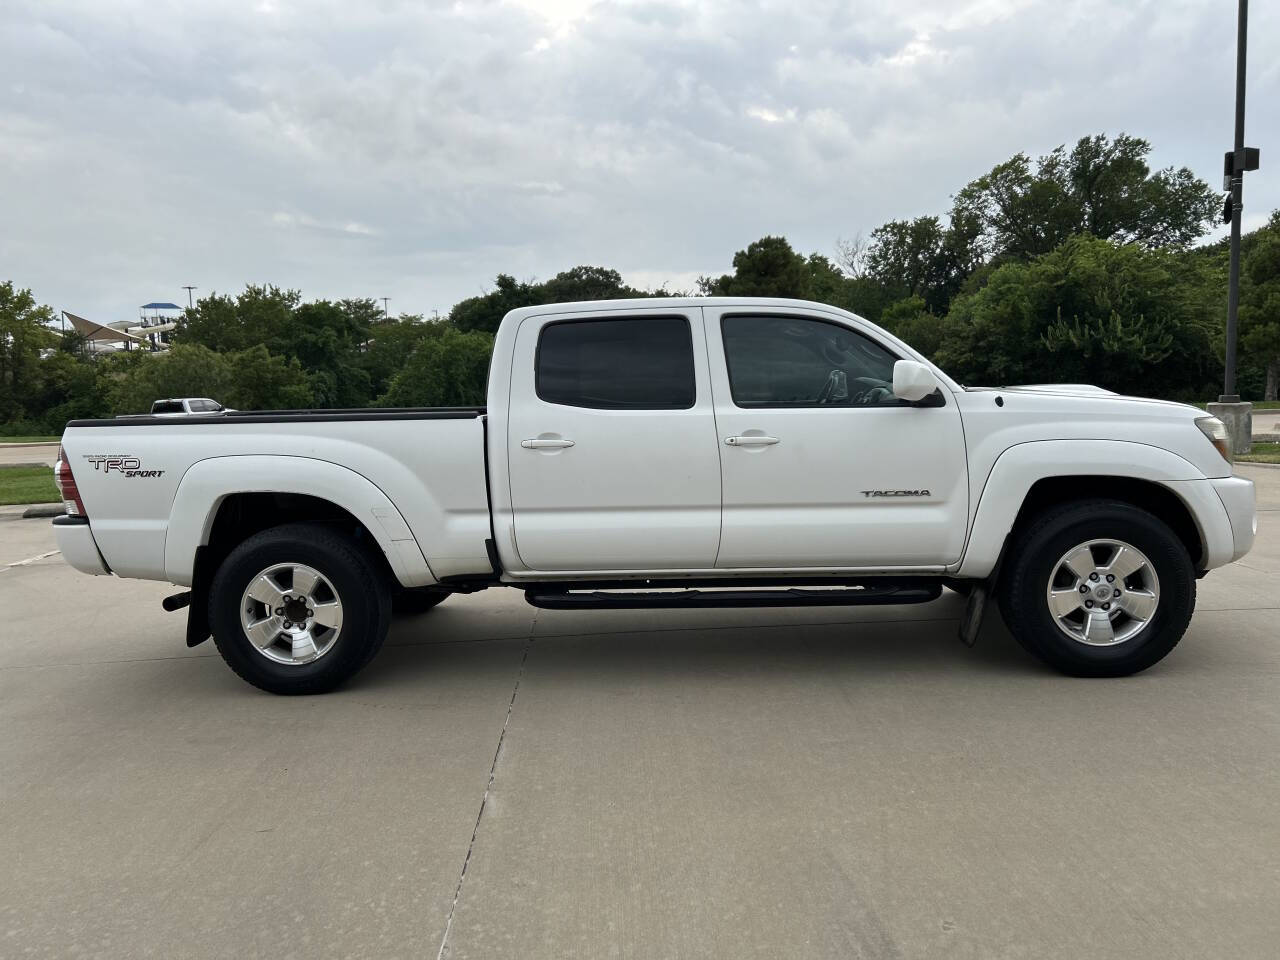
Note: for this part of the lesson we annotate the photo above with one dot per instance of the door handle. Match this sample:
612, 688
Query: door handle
545, 444
750, 441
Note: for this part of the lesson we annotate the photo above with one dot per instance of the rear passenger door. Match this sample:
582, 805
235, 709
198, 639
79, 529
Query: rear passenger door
611, 443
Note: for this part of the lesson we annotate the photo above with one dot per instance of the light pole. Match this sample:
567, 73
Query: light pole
1237, 416
386, 315
189, 289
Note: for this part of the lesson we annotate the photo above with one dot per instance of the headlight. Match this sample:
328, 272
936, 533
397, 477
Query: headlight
1216, 431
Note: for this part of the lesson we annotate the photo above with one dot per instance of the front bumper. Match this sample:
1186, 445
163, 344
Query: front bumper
78, 548
1240, 502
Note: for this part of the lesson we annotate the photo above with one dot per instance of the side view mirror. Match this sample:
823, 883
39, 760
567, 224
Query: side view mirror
913, 381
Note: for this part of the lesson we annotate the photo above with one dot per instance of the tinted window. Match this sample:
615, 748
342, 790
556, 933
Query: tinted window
790, 362
167, 406
617, 364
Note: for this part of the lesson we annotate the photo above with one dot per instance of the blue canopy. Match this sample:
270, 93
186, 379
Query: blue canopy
160, 306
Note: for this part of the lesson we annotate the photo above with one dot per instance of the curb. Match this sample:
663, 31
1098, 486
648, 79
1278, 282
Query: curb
38, 443
44, 510
25, 463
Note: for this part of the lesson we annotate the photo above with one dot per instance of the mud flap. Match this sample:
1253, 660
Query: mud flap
198, 613
974, 610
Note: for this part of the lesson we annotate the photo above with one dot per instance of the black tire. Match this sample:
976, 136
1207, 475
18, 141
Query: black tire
356, 579
1033, 557
408, 601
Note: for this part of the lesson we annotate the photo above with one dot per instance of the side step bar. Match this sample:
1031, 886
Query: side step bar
679, 599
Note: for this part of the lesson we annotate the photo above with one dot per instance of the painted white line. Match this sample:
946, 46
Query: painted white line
23, 563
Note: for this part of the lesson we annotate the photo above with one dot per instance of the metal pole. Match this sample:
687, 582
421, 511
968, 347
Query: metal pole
1237, 189
189, 289
385, 313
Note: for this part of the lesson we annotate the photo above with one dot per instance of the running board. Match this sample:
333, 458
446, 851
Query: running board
679, 599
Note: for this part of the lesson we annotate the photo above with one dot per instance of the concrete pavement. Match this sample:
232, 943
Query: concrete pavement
507, 782
16, 453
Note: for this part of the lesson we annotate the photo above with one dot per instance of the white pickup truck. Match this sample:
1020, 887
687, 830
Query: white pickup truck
670, 453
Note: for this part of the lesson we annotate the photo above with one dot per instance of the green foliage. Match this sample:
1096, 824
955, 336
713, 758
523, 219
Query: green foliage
485, 312
911, 321
767, 268
321, 336
923, 258
1102, 187
1117, 316
448, 370
249, 379
1260, 305
23, 333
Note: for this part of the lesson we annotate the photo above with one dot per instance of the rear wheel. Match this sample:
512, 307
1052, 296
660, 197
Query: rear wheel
298, 608
1098, 588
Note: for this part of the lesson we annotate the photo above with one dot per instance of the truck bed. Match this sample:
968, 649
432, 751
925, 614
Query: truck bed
148, 488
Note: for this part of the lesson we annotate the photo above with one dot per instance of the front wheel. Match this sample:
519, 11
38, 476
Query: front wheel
298, 608
1098, 588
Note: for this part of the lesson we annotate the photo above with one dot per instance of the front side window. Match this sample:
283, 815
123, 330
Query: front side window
624, 364
795, 362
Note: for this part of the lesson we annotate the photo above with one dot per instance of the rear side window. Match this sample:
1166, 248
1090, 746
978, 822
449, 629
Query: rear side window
641, 364
204, 406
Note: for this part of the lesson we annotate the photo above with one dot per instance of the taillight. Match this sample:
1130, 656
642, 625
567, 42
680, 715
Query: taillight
67, 484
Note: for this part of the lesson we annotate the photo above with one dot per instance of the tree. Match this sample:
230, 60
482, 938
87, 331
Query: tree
323, 336
261, 314
1101, 187
1260, 304
486, 311
250, 379
1117, 316
391, 342
911, 321
923, 258
24, 332
449, 370
767, 268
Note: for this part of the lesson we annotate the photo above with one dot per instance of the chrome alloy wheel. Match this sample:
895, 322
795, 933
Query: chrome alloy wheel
1103, 592
291, 614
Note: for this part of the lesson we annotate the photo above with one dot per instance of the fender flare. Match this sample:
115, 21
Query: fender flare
207, 483
1019, 467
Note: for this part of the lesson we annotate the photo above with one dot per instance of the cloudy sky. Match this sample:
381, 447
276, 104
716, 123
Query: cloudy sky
415, 150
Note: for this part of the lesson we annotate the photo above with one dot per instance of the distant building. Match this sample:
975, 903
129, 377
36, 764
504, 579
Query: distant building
151, 331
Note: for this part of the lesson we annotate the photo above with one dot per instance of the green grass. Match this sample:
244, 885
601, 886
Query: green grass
27, 485
29, 439
1261, 453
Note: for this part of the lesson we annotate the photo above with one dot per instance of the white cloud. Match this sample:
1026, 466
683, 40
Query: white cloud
416, 150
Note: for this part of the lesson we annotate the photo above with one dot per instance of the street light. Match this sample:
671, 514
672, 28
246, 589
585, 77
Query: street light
1236, 415
189, 289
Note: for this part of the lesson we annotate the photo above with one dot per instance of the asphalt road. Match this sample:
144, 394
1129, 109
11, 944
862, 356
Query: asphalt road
505, 782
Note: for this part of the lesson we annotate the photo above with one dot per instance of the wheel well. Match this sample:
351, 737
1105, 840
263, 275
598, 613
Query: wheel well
1151, 497
241, 515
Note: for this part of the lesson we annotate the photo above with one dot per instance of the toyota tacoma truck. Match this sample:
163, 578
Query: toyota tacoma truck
670, 453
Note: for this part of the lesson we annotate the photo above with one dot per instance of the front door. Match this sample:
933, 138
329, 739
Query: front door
822, 465
612, 444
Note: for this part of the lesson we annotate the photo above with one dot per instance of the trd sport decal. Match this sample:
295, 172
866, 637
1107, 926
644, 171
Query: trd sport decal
125, 466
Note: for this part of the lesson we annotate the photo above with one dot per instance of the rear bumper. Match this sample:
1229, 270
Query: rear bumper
1238, 499
76, 543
